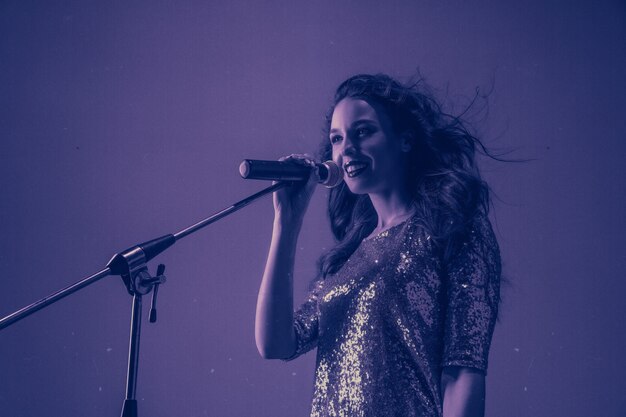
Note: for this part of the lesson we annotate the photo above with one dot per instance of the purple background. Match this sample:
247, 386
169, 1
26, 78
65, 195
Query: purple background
121, 121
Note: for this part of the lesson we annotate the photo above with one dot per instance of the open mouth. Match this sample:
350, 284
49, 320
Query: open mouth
354, 168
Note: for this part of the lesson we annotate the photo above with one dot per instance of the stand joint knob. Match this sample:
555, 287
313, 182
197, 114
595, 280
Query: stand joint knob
160, 278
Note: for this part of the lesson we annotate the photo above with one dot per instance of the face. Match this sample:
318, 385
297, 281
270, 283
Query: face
363, 144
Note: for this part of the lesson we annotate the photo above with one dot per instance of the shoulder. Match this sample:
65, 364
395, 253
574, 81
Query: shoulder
417, 234
476, 233
481, 236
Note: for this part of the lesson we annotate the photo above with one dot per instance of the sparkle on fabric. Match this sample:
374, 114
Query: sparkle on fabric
388, 322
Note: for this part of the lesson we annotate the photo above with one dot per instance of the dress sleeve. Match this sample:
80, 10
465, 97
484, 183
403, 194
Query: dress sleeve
473, 293
306, 322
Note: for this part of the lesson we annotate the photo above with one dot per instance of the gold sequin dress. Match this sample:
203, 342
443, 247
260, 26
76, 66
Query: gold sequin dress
393, 316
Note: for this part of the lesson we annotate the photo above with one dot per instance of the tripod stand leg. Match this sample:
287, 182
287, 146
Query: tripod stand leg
130, 408
130, 403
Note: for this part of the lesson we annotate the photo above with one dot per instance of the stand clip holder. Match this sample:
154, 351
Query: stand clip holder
131, 265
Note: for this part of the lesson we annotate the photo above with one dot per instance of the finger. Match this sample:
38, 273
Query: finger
303, 158
292, 157
316, 172
300, 159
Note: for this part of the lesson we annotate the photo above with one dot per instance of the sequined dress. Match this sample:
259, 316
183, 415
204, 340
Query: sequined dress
388, 322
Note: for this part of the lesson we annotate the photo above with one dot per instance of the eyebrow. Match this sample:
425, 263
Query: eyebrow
356, 123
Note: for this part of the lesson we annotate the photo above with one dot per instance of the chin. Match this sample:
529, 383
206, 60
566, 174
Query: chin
359, 187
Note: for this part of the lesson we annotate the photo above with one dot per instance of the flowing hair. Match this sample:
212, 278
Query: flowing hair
447, 189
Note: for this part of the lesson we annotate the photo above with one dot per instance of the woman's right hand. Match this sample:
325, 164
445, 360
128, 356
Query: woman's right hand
291, 203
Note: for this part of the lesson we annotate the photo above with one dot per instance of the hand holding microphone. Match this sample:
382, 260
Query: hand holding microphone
290, 203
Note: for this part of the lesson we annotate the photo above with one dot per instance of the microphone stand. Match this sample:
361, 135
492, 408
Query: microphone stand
131, 266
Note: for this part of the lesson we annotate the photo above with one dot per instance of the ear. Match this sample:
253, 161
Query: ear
406, 141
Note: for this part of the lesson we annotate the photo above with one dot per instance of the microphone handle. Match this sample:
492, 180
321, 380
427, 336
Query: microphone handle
273, 170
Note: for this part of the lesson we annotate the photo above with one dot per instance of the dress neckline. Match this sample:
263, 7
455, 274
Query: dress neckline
385, 232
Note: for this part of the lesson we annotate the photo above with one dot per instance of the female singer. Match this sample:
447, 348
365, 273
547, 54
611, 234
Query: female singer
404, 308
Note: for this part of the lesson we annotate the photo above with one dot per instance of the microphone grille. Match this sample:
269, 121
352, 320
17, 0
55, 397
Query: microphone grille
335, 174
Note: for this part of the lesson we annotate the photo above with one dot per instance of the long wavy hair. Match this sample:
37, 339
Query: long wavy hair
448, 191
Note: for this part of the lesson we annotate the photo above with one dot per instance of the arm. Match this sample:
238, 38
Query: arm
274, 324
463, 392
274, 333
472, 295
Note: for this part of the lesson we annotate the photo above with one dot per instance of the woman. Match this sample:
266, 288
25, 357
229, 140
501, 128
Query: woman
404, 308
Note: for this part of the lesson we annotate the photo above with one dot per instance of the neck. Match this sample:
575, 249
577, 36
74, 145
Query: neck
392, 208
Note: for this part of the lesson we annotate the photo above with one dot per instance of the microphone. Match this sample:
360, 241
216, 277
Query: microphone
252, 169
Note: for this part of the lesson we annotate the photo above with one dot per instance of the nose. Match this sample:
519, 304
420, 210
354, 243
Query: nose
347, 146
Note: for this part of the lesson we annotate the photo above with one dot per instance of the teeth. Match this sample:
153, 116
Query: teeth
354, 167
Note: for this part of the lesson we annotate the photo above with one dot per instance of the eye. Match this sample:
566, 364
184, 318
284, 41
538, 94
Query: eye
363, 131
335, 138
